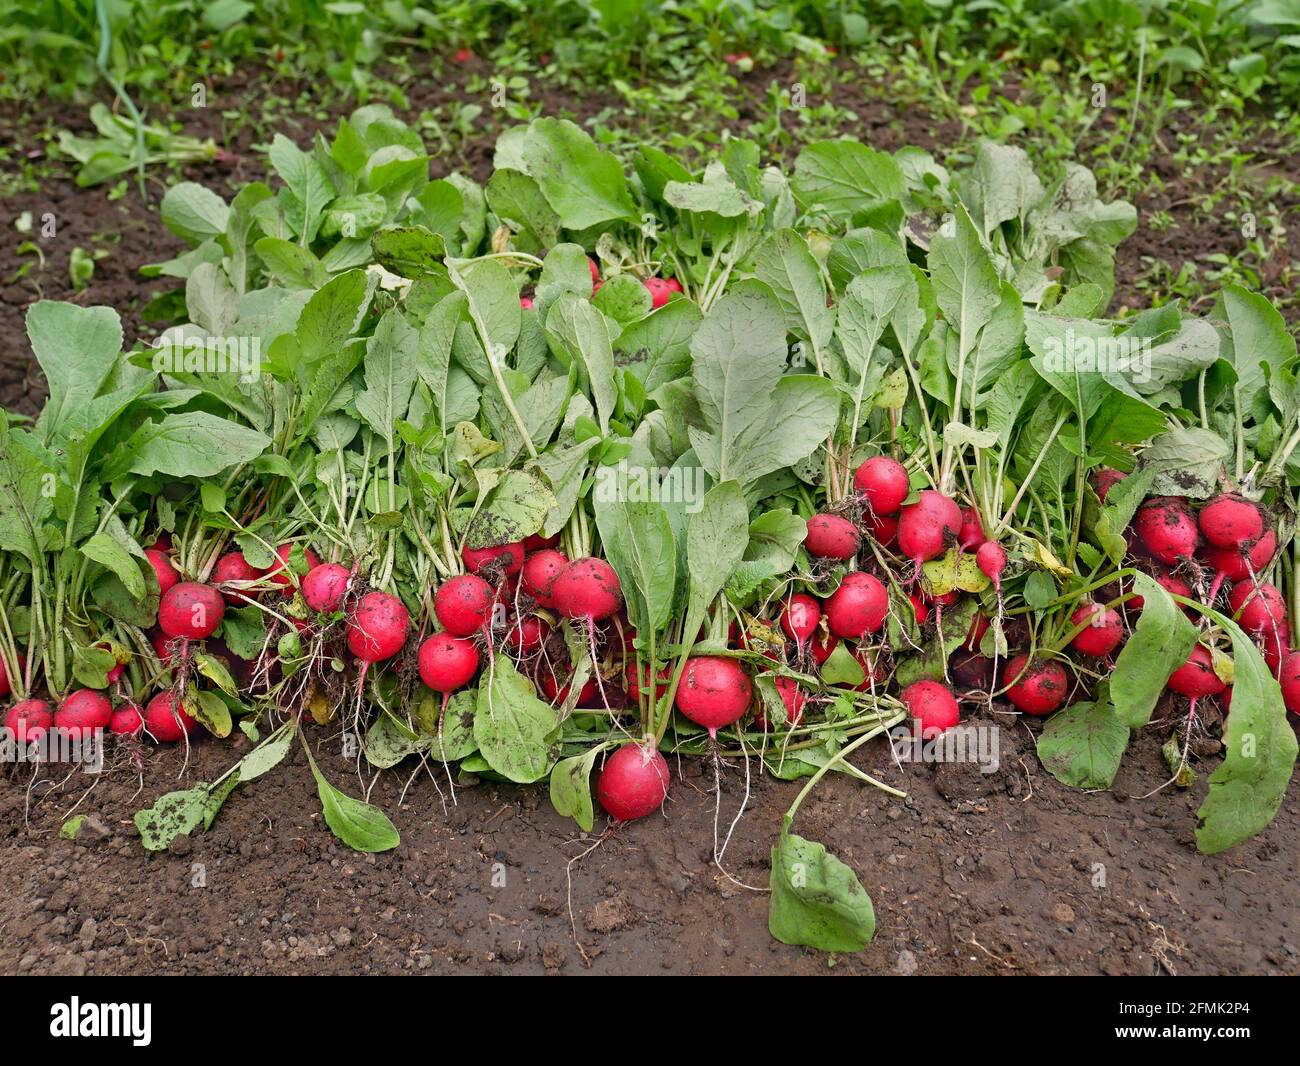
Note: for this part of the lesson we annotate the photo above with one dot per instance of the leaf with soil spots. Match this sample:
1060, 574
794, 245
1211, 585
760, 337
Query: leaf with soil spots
514, 509
175, 814
1083, 745
571, 788
389, 741
1160, 643
457, 741
512, 726
817, 901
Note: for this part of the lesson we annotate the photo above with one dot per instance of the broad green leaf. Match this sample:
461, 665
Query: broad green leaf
817, 901
175, 814
514, 509
359, 825
77, 348
966, 284
584, 184
1161, 642
193, 212
571, 788
656, 348
191, 444
392, 355
784, 263
512, 726
639, 544
106, 551
1082, 745
845, 177
579, 330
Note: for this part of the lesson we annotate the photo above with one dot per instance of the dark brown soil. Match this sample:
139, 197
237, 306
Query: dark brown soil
1002, 873
1005, 873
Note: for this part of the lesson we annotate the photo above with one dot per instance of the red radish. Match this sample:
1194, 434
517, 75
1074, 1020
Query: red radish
526, 635
884, 483
191, 611
162, 647
377, 629
1237, 564
1290, 681
1257, 607
127, 720
1167, 529
932, 705
1274, 644
640, 680
970, 669
941, 599
800, 617
462, 55
557, 693
280, 573
1103, 632
992, 560
883, 527
1196, 677
234, 567
714, 692
920, 608
673, 285
325, 587
633, 782
536, 542
1105, 479
5, 685
831, 537
971, 535
926, 528
1175, 586
823, 644
1038, 690
1231, 521
166, 720
525, 303
587, 588
82, 712
792, 696
162, 543
658, 290
873, 669
114, 672
463, 604
478, 559
539, 574
29, 720
858, 606
446, 662
162, 568
979, 625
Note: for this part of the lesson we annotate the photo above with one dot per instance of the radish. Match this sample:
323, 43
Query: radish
478, 560
1290, 681
714, 692
191, 611
587, 588
970, 669
162, 647
1175, 586
884, 483
932, 705
633, 782
526, 635
557, 693
166, 720
377, 628
162, 569
595, 273
325, 586
822, 645
127, 720
941, 599
234, 567
658, 290
1257, 608
525, 304
1231, 521
883, 527
1167, 529
1196, 677
536, 542
1105, 479
858, 606
29, 720
792, 696
1274, 644
1237, 564
919, 608
1103, 632
446, 662
82, 712
971, 535
5, 685
800, 617
638, 681
927, 527
539, 573
1039, 688
463, 604
280, 574
979, 625
673, 285
831, 537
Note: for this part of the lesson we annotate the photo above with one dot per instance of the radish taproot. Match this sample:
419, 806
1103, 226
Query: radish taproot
1104, 479
162, 568
883, 528
282, 574
1257, 607
884, 484
800, 617
971, 534
714, 692
858, 606
463, 604
932, 705
234, 567
633, 782
792, 696
830, 536
1237, 564
1196, 677
127, 720
525, 635
659, 291
190, 611
325, 587
82, 712
1036, 688
928, 527
446, 663
502, 558
1289, 679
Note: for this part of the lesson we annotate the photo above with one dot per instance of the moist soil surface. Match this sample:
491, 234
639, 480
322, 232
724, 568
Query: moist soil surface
1005, 872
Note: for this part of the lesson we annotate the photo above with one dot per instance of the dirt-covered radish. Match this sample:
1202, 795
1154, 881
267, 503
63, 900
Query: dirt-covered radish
447, 663
1102, 633
830, 536
932, 705
377, 629
557, 693
1171, 583
525, 635
539, 573
162, 568
1104, 479
190, 611
858, 607
503, 558
1238, 564
928, 527
1257, 607
884, 483
463, 604
633, 782
166, 720
536, 542
1038, 688
1167, 529
799, 618
29, 720
325, 587
587, 588
1231, 521
82, 712
882, 528
127, 720
280, 572
714, 692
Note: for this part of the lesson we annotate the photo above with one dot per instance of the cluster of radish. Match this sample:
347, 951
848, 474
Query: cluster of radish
660, 289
